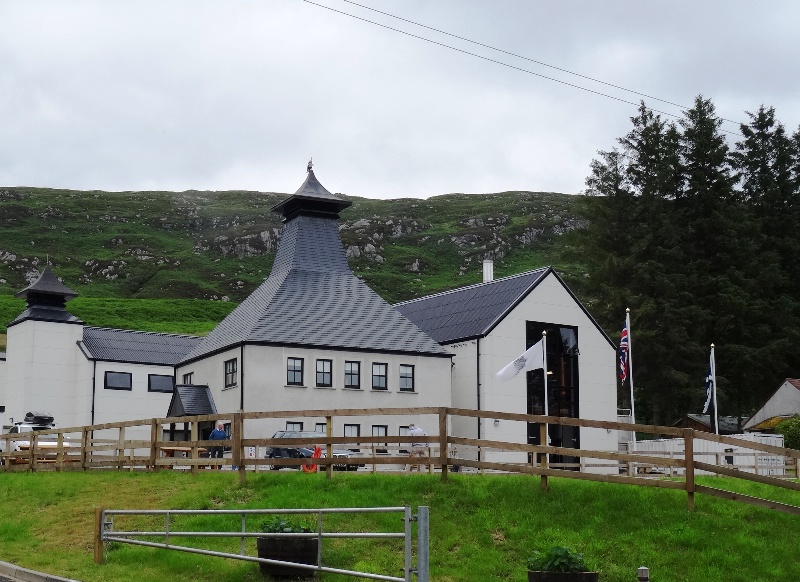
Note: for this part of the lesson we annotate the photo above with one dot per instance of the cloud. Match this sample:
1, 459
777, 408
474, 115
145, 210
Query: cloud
239, 94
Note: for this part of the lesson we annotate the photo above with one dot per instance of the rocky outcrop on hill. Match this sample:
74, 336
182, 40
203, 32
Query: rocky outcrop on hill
221, 244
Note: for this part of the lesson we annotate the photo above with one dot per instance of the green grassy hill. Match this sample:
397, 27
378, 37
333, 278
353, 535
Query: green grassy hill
215, 245
482, 527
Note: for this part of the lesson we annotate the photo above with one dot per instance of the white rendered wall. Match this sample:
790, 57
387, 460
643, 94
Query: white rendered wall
266, 388
465, 389
3, 373
135, 404
42, 360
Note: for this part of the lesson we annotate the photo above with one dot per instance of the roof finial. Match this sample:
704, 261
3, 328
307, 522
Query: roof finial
310, 165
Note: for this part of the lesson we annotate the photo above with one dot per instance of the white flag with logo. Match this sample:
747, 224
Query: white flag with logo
532, 359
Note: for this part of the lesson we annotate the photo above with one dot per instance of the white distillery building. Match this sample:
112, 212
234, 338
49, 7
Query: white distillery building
80, 374
314, 336
490, 324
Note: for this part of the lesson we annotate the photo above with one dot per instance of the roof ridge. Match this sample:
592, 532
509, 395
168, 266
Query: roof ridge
472, 286
137, 331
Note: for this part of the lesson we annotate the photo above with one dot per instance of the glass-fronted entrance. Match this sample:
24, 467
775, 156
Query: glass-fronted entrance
562, 387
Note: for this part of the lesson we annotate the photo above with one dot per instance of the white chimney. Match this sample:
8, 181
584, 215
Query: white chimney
488, 270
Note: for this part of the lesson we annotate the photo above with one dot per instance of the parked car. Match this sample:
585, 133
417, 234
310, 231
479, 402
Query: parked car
310, 439
34, 421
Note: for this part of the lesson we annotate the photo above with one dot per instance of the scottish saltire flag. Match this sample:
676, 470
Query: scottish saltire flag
623, 355
532, 359
709, 388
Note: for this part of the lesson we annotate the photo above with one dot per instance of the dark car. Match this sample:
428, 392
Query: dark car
306, 450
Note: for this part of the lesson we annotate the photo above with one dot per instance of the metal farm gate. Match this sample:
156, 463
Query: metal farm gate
105, 532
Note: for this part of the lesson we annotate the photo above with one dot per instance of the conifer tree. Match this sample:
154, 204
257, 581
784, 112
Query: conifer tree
763, 161
656, 289
697, 259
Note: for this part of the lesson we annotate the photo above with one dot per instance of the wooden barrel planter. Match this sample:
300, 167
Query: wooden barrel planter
298, 550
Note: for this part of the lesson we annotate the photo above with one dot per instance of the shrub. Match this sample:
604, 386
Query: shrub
282, 525
557, 559
790, 429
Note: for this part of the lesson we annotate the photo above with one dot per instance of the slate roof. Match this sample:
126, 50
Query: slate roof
46, 298
311, 297
727, 424
470, 311
45, 313
188, 400
48, 284
311, 198
136, 347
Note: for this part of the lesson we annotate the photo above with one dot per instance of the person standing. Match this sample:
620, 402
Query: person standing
218, 434
418, 448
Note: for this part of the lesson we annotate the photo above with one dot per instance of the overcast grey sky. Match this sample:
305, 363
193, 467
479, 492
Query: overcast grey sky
238, 94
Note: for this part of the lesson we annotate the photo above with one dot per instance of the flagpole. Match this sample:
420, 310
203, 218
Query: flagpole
630, 363
544, 368
545, 434
714, 389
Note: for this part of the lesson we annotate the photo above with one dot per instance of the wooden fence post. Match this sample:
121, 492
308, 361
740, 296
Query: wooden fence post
98, 535
688, 457
237, 452
121, 448
32, 453
153, 445
60, 453
85, 449
194, 432
443, 442
543, 441
329, 446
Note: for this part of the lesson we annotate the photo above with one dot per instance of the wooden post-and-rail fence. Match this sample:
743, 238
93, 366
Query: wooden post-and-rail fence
141, 445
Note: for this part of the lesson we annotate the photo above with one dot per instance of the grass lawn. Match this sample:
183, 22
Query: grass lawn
482, 527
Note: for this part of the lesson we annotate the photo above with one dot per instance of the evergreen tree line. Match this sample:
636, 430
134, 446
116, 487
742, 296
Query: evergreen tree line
700, 240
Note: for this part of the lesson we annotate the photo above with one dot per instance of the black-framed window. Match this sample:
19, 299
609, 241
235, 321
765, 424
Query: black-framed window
160, 383
320, 427
406, 378
293, 425
562, 370
325, 373
118, 381
379, 375
380, 430
294, 371
352, 430
352, 374
188, 378
231, 367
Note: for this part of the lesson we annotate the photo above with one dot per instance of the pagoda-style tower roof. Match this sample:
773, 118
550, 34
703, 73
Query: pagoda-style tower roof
311, 199
46, 300
311, 297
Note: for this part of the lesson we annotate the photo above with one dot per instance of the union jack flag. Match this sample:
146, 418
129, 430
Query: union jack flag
623, 355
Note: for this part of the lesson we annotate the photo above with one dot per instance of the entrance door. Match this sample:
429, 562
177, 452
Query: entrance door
562, 388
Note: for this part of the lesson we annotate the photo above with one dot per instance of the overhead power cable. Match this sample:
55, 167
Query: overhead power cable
508, 65
588, 78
